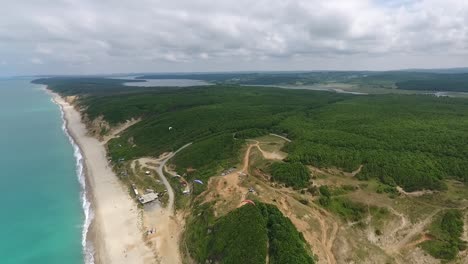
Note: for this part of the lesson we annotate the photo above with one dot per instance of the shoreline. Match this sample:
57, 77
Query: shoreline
112, 227
87, 206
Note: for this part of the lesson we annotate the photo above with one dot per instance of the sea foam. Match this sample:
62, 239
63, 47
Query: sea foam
88, 249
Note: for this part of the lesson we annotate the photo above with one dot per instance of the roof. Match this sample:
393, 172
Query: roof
149, 197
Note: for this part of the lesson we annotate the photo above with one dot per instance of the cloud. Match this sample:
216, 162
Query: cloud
86, 36
36, 61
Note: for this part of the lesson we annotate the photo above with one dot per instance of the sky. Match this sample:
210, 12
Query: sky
120, 36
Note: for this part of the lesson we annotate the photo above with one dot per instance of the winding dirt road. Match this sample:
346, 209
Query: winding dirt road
159, 169
168, 226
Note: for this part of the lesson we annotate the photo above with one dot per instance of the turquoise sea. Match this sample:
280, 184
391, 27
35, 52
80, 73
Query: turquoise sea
41, 202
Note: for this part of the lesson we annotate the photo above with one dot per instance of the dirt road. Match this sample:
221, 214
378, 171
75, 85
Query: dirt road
328, 230
119, 129
276, 135
168, 226
159, 169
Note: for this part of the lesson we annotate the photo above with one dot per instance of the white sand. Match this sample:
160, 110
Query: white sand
117, 221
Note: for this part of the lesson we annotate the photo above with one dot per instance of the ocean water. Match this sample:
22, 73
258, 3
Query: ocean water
41, 200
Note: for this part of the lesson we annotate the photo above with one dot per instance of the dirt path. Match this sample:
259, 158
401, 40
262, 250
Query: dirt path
159, 169
415, 230
270, 155
229, 188
424, 237
327, 240
119, 129
464, 255
355, 172
328, 231
245, 167
404, 222
465, 227
229, 184
167, 225
415, 193
276, 135
266, 154
159, 165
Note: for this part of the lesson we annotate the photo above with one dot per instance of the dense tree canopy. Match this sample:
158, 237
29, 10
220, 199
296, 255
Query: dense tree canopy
407, 140
246, 235
292, 174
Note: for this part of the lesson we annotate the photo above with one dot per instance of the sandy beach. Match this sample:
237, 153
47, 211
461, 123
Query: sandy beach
116, 231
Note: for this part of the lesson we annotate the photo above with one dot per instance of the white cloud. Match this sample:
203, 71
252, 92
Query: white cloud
36, 61
156, 35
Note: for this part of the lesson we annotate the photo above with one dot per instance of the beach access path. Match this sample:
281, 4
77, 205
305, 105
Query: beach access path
116, 229
168, 225
160, 169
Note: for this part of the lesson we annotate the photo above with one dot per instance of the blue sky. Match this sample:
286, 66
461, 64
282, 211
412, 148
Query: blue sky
87, 36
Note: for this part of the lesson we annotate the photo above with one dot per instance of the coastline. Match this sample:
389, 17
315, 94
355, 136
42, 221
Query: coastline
88, 210
112, 220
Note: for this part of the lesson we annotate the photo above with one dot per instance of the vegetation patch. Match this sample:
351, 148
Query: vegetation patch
343, 207
205, 158
250, 133
245, 235
438, 82
292, 174
446, 230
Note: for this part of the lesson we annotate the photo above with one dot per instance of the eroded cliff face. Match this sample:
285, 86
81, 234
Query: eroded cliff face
97, 127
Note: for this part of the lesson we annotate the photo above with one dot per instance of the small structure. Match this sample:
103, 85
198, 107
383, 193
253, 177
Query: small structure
148, 197
151, 231
228, 171
135, 189
147, 172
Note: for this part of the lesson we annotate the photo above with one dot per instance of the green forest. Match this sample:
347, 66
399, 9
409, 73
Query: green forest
459, 84
406, 80
242, 236
414, 141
